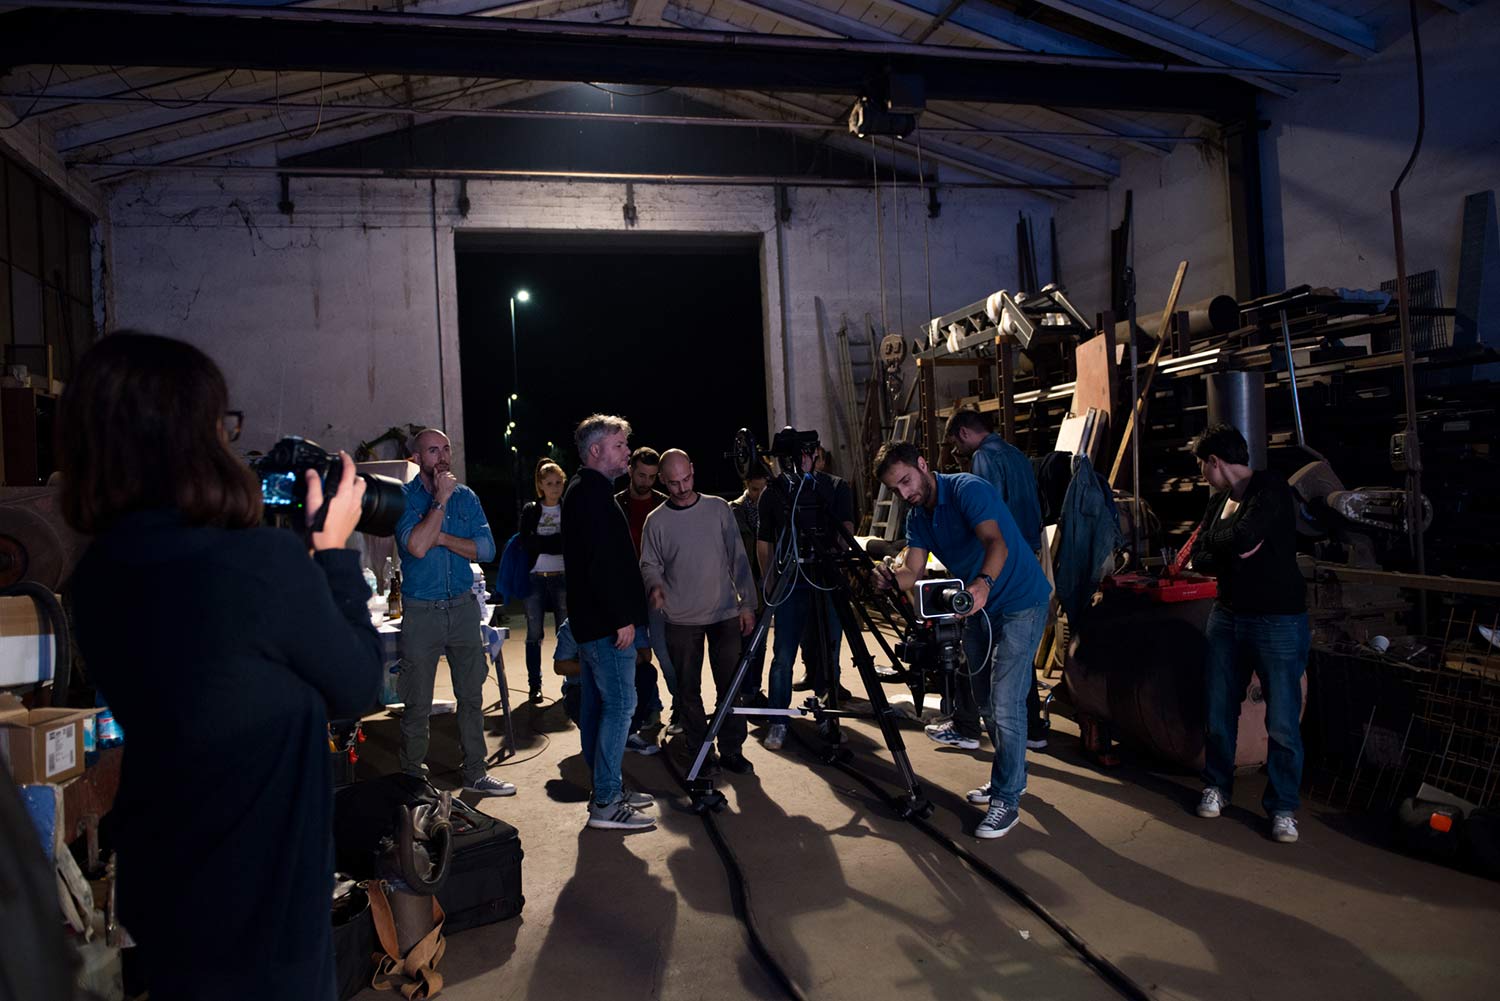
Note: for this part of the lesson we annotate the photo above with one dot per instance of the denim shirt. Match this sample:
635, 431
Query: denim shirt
1007, 469
442, 573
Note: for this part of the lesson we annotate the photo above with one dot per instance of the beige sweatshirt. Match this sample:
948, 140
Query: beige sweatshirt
695, 555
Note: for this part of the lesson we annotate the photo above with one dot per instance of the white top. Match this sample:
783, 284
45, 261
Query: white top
550, 524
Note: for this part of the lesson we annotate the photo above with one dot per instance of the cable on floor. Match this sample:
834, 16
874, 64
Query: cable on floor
1106, 970
739, 893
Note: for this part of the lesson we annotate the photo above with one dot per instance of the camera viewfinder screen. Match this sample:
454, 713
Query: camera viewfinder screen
279, 489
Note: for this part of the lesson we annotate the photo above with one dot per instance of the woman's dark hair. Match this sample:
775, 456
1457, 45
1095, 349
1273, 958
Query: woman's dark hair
140, 427
1223, 440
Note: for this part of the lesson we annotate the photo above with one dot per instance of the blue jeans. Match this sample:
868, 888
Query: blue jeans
1003, 706
604, 714
790, 620
658, 625
549, 592
1274, 648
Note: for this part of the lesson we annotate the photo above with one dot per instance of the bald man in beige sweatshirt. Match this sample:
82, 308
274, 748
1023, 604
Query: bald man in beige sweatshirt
696, 571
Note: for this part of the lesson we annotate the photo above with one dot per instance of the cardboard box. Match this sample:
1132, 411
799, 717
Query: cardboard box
41, 745
27, 647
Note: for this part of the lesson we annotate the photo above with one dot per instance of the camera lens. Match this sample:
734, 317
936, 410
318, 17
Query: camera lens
961, 601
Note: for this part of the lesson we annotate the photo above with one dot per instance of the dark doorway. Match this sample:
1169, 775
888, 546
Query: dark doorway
665, 331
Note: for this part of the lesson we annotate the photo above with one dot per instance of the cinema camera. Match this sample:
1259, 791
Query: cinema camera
283, 488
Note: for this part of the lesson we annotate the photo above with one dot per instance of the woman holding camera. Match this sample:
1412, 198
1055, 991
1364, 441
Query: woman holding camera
541, 535
223, 649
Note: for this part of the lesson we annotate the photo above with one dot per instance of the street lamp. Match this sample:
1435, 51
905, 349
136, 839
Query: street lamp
515, 382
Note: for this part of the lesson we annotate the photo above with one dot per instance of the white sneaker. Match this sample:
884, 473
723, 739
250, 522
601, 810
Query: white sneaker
1284, 828
775, 738
948, 736
980, 796
488, 785
998, 821
1212, 803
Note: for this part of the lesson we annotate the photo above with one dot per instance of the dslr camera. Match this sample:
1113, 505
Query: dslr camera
942, 600
283, 488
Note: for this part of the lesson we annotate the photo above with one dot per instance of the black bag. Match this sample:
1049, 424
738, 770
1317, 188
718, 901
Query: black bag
484, 876
353, 941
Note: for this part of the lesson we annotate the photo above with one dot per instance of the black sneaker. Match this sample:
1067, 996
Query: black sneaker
1036, 735
536, 693
803, 683
737, 763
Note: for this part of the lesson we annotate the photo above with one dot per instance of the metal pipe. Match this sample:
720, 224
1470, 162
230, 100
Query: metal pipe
735, 39
494, 174
1291, 379
189, 103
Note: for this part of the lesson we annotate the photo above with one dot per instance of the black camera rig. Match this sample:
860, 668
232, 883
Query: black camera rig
826, 557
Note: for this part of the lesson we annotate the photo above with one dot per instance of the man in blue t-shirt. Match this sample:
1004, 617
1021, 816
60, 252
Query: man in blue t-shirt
1006, 468
962, 520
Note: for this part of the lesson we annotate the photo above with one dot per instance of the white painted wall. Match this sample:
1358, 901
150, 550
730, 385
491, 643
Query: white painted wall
342, 320
1330, 157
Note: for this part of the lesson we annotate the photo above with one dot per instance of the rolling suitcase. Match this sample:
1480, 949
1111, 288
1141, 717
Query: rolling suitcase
484, 876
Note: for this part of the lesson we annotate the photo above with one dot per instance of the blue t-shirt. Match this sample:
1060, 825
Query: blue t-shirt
442, 573
947, 531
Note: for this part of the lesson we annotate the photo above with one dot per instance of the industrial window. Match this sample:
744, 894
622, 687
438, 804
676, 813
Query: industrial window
46, 280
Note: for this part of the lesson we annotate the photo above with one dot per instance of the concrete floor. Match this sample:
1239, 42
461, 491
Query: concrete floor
856, 904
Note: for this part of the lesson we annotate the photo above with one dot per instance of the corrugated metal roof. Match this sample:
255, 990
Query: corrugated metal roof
149, 114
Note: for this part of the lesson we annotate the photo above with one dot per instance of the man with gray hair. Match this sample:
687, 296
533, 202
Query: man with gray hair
697, 573
606, 602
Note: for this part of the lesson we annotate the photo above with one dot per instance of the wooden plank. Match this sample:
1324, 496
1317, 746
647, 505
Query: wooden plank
1140, 404
1097, 376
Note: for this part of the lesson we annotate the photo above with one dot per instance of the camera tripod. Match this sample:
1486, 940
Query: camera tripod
819, 564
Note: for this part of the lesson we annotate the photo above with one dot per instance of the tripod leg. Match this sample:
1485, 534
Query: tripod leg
885, 716
728, 699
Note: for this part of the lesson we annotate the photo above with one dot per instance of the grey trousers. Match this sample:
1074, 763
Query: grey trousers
686, 646
427, 632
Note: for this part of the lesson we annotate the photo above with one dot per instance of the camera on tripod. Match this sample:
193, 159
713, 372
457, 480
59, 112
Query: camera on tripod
283, 488
942, 600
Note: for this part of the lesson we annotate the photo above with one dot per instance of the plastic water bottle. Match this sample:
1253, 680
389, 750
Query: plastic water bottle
107, 732
371, 582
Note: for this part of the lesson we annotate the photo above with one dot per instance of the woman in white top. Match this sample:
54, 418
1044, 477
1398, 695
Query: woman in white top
541, 535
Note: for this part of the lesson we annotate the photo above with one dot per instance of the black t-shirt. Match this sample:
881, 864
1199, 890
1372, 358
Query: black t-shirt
1267, 582
824, 492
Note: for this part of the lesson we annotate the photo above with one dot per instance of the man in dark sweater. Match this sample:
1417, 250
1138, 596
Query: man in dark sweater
1248, 539
606, 602
639, 498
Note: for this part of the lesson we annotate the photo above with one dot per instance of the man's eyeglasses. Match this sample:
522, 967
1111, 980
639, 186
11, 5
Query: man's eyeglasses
234, 421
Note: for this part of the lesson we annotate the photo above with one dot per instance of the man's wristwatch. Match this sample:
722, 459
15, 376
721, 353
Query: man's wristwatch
439, 505
989, 582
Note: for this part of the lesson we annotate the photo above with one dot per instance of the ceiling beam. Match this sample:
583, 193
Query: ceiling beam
298, 127
176, 35
179, 110
1074, 155
1169, 36
1006, 27
1317, 20
953, 153
1092, 120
